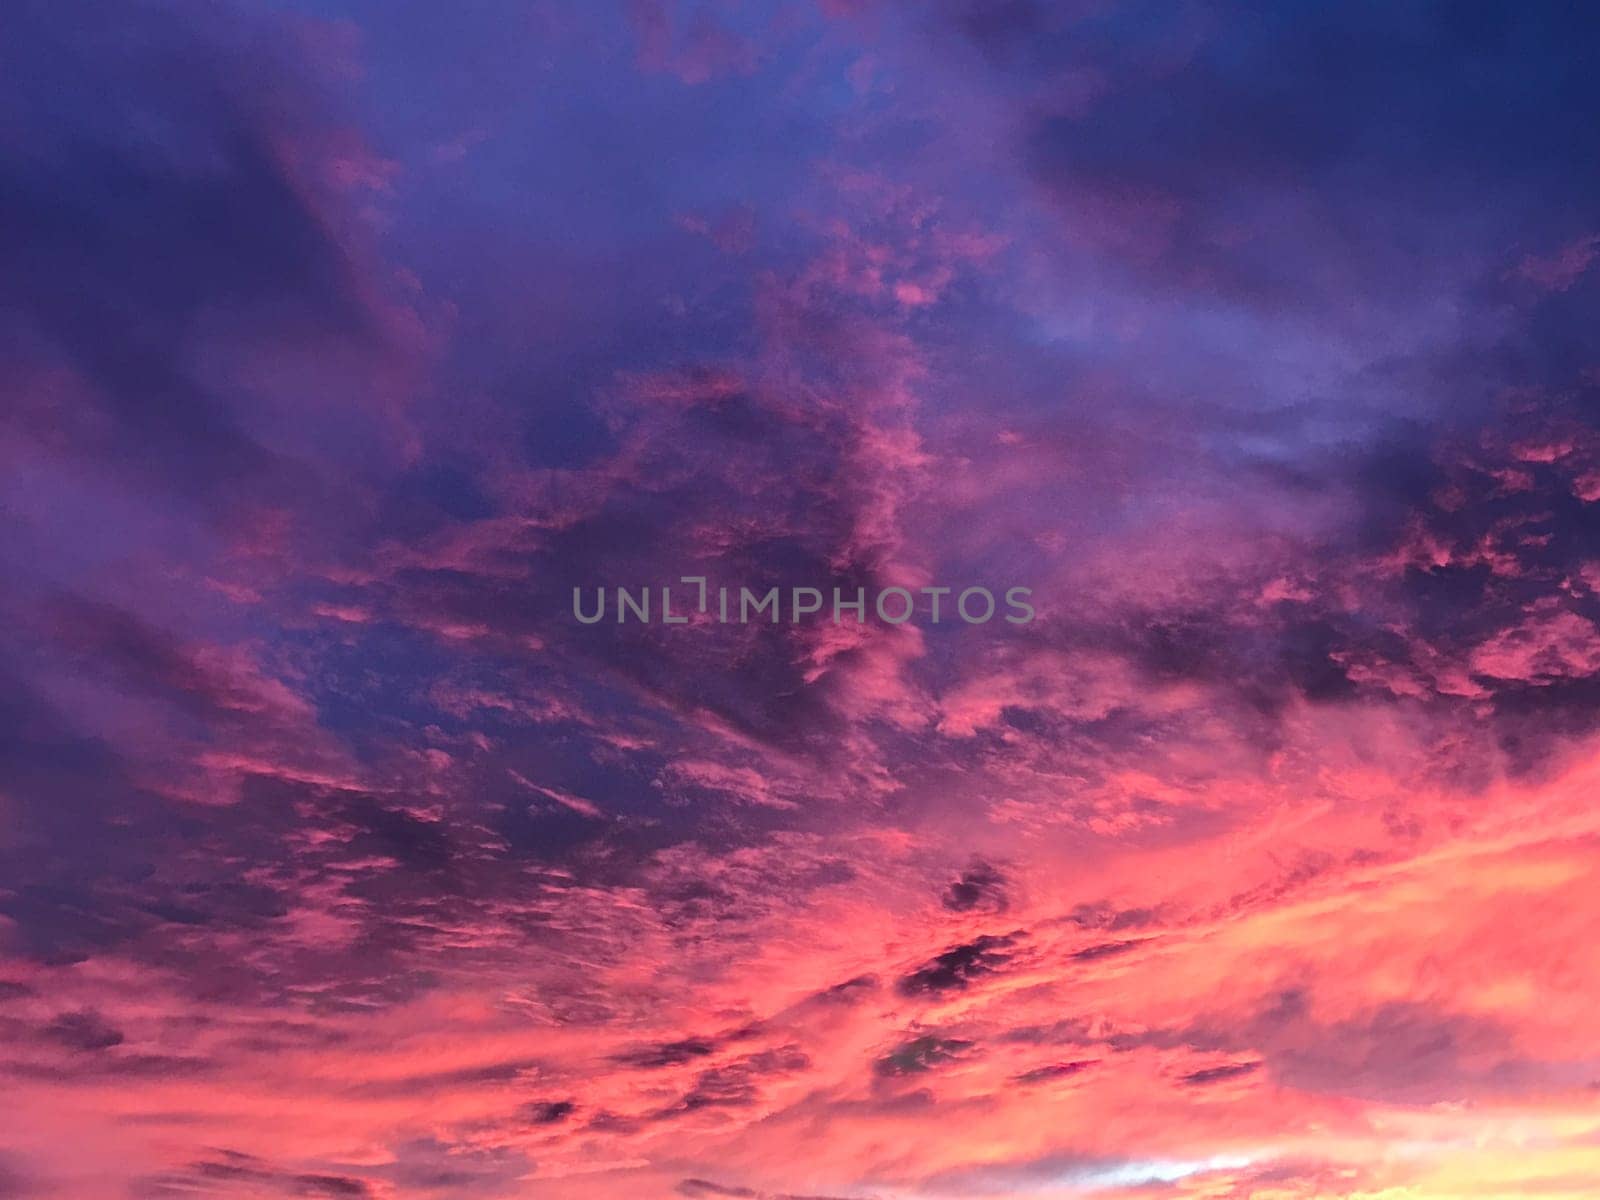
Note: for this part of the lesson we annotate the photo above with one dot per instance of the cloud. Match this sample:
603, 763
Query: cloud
86, 1031
980, 886
921, 1054
959, 966
1209, 1075
338, 858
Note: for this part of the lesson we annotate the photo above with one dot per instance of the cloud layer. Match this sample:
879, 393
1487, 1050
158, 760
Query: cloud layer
342, 342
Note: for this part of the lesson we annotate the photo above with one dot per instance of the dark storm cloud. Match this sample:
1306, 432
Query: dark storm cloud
329, 1185
959, 966
549, 1112
229, 1170
980, 886
436, 1166
738, 1084
418, 844
87, 1031
705, 1188
921, 1054
850, 991
1106, 950
1109, 917
1219, 1074
1053, 1071
667, 1054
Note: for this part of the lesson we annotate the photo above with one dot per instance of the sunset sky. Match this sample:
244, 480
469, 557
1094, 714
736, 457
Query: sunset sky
339, 342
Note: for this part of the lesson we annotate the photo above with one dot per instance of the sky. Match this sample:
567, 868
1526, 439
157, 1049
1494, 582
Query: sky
341, 342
